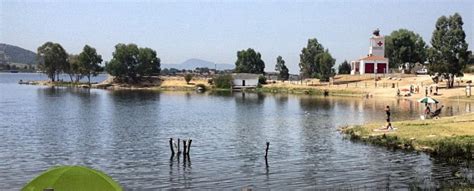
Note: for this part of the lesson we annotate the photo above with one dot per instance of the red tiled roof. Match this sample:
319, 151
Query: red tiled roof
373, 58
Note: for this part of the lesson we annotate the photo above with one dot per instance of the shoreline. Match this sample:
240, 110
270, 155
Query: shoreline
447, 137
456, 144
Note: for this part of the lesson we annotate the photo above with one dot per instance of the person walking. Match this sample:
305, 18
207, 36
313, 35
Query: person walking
387, 112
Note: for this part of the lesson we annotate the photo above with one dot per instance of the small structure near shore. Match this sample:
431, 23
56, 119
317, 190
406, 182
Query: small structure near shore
244, 80
375, 62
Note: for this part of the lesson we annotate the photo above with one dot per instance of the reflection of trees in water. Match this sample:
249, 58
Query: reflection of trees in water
281, 100
221, 93
248, 128
134, 95
315, 103
249, 98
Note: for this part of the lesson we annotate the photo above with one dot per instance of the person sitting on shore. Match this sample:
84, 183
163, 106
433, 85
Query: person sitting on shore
427, 110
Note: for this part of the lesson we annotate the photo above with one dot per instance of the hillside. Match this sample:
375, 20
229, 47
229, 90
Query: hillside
198, 63
14, 54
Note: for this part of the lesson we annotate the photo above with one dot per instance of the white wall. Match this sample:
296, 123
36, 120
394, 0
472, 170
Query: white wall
248, 82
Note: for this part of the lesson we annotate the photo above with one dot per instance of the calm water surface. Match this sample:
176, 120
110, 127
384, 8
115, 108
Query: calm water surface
125, 134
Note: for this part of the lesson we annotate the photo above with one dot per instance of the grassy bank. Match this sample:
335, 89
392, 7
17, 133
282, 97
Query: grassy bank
450, 137
310, 91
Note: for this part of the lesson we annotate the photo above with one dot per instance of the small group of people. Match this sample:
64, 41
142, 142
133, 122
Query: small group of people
431, 90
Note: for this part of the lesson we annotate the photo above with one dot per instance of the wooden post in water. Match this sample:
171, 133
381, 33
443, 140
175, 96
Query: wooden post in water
179, 151
266, 150
189, 146
171, 146
184, 147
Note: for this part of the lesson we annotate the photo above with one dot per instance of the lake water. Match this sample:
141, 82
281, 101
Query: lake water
126, 134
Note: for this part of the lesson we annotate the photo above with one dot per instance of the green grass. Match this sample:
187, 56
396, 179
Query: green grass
451, 137
308, 91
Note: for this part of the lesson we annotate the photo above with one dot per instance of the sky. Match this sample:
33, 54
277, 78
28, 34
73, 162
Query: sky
216, 30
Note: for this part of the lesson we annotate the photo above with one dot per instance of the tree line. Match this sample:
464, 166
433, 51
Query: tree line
54, 60
448, 56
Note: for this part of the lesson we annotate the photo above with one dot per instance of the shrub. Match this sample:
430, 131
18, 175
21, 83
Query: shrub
188, 78
262, 79
210, 82
223, 81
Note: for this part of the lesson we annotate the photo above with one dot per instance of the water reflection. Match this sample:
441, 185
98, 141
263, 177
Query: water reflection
126, 134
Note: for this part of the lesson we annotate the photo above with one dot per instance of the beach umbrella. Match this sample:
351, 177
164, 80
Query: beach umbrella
75, 178
428, 100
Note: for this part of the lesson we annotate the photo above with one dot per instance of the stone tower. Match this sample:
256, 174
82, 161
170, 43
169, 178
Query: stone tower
377, 44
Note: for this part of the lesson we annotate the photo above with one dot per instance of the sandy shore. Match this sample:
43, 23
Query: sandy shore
383, 87
343, 85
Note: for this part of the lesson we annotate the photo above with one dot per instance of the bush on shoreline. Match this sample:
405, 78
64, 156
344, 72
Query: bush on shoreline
222, 81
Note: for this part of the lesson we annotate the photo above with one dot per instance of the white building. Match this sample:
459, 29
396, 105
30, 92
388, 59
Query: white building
375, 62
244, 80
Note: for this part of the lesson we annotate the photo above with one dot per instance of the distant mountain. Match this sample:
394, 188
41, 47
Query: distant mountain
198, 63
15, 54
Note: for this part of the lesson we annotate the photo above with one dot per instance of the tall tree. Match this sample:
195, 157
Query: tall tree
449, 53
279, 64
129, 62
249, 61
309, 66
75, 72
281, 67
52, 59
344, 68
284, 73
404, 46
89, 62
325, 62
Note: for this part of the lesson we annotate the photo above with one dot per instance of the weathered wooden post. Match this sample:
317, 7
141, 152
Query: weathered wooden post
171, 146
266, 150
184, 147
189, 146
179, 151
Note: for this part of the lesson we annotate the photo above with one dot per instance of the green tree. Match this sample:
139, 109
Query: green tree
129, 62
449, 53
309, 66
344, 68
188, 78
249, 61
326, 62
262, 79
149, 63
75, 68
279, 64
222, 81
52, 59
404, 46
284, 73
89, 62
281, 67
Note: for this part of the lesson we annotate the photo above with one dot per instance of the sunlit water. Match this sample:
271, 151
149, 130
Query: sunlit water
126, 133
